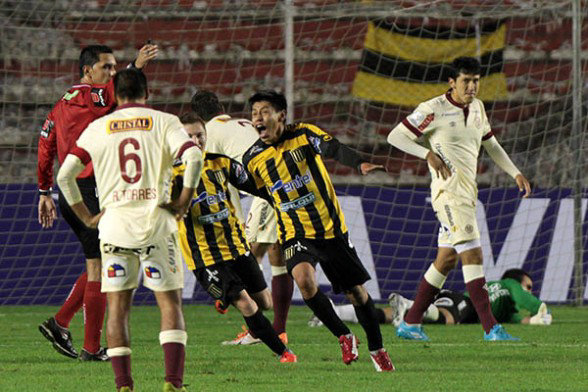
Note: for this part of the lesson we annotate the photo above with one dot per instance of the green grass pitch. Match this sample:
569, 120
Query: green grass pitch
551, 358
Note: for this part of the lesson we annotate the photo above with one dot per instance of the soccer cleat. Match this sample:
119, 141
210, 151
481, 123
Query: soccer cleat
218, 305
60, 337
244, 339
497, 333
169, 387
99, 356
283, 337
288, 357
411, 332
399, 306
125, 389
382, 361
315, 322
349, 350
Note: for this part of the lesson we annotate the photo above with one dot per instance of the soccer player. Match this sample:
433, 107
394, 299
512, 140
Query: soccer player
232, 137
509, 298
132, 150
288, 161
92, 98
213, 245
454, 126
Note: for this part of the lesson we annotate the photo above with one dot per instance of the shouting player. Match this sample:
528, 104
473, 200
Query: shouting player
212, 242
133, 150
288, 161
232, 137
454, 126
92, 98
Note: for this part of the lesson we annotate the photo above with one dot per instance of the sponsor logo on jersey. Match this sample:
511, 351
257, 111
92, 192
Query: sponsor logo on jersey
69, 96
255, 149
46, 128
211, 199
97, 95
212, 218
298, 154
152, 272
298, 182
419, 120
116, 271
130, 124
298, 203
316, 143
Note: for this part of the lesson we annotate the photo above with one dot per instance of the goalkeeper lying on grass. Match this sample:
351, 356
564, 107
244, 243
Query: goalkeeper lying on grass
510, 298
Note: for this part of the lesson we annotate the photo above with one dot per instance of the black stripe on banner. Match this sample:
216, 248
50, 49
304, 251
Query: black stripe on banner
193, 242
274, 176
393, 67
438, 32
225, 222
322, 187
209, 229
313, 213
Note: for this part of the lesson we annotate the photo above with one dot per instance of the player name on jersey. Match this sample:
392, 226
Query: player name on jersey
135, 194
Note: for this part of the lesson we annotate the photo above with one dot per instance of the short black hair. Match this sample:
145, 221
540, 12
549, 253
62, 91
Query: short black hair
130, 84
277, 100
90, 55
464, 65
516, 274
191, 118
206, 104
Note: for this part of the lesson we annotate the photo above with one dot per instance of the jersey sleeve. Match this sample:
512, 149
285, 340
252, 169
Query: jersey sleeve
420, 121
47, 150
177, 138
242, 180
487, 129
329, 147
522, 299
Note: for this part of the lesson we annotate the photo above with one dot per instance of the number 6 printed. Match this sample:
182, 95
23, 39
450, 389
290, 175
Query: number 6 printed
131, 156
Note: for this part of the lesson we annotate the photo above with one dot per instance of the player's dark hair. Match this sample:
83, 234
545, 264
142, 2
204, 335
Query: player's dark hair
130, 84
516, 274
90, 55
464, 65
277, 100
191, 118
206, 104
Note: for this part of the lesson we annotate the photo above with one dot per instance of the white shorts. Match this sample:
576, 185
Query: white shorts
458, 220
160, 264
261, 223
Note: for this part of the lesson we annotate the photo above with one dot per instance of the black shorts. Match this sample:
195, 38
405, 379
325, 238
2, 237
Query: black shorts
461, 307
337, 257
224, 281
87, 237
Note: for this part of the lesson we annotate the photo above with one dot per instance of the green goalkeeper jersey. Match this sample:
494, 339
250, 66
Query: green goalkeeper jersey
508, 299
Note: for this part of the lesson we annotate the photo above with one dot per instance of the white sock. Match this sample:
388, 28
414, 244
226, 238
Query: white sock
347, 313
432, 313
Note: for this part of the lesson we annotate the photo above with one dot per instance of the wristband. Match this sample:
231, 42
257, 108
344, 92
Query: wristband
44, 193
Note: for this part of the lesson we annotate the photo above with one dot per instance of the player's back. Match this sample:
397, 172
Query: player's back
230, 136
133, 149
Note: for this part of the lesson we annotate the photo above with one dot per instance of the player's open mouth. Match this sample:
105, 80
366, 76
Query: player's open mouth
261, 129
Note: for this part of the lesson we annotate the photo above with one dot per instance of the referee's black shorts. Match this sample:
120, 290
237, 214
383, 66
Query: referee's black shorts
88, 237
337, 257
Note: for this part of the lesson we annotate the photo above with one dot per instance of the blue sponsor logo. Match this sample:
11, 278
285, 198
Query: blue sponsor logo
298, 182
212, 218
210, 199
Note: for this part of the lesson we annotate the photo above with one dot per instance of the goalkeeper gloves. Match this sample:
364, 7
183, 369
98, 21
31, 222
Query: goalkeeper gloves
543, 316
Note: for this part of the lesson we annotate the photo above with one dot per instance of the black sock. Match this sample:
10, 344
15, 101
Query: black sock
263, 329
368, 318
381, 316
323, 309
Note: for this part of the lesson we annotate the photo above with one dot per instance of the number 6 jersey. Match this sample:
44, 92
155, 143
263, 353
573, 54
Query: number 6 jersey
132, 150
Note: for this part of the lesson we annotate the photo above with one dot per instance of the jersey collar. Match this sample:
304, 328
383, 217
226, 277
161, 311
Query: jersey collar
452, 101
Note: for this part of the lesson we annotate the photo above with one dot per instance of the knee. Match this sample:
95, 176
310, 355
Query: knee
446, 264
307, 287
357, 295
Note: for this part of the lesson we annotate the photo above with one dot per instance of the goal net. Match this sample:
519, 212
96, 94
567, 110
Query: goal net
359, 68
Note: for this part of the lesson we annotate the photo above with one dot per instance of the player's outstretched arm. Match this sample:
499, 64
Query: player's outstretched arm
501, 158
146, 53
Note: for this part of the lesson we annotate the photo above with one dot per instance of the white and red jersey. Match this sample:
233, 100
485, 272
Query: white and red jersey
455, 132
132, 150
230, 136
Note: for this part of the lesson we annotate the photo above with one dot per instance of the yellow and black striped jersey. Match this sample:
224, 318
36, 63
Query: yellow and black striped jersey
211, 232
293, 172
